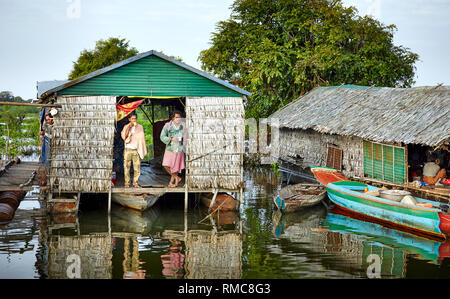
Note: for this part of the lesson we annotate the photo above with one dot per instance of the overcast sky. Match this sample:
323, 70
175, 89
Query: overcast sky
40, 39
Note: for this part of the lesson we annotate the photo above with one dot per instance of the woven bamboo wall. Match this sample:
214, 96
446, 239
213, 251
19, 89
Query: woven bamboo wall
215, 125
213, 256
313, 148
82, 144
94, 251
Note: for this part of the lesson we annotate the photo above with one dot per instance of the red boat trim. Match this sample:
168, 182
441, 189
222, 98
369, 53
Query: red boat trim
389, 224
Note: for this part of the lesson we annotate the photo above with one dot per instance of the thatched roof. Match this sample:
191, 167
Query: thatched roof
419, 115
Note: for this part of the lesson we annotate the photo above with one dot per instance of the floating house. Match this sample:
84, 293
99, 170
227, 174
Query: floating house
86, 134
377, 133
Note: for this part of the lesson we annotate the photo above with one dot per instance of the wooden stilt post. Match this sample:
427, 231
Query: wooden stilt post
109, 226
78, 200
109, 201
240, 227
185, 228
186, 198
241, 196
213, 200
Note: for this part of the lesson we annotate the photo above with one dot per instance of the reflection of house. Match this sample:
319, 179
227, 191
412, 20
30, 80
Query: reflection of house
209, 254
365, 131
94, 253
213, 256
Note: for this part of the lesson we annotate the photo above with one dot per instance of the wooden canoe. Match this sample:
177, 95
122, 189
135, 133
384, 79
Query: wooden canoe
296, 197
225, 201
140, 202
351, 197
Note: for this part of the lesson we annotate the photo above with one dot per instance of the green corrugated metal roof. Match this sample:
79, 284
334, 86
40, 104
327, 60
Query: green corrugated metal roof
149, 74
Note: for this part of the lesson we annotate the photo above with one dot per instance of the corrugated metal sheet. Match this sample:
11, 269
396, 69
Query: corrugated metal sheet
44, 86
419, 115
149, 74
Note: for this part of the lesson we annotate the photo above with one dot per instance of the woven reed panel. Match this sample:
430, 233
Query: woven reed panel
213, 256
82, 144
216, 132
94, 253
311, 148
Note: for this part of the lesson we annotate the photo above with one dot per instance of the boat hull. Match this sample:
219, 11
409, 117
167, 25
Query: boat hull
344, 194
297, 205
301, 197
140, 202
420, 220
223, 201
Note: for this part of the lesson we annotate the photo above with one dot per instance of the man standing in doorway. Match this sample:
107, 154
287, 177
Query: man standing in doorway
135, 149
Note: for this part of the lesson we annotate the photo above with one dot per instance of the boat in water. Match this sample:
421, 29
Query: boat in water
152, 176
140, 202
411, 214
296, 197
223, 201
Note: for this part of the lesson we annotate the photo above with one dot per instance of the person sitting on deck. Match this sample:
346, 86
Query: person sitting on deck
172, 137
135, 149
432, 172
46, 132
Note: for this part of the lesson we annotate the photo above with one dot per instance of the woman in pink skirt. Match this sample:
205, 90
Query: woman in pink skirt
172, 136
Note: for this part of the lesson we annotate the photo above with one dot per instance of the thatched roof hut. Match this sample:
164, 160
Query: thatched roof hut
419, 115
363, 131
86, 132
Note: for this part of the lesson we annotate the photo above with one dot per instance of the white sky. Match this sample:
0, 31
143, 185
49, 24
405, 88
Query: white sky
42, 38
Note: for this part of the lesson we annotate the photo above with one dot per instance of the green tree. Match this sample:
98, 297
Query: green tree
8, 96
19, 132
281, 49
106, 53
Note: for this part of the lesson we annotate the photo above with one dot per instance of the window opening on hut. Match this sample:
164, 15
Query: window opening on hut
334, 157
152, 114
384, 162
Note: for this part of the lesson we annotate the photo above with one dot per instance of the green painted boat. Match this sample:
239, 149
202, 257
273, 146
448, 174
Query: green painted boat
426, 218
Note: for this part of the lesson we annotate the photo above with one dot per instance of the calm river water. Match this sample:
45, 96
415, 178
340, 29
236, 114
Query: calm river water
166, 243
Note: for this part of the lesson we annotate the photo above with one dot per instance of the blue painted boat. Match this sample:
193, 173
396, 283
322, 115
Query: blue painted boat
426, 219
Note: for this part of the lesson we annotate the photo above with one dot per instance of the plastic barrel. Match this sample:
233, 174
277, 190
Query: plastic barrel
20, 194
11, 198
6, 212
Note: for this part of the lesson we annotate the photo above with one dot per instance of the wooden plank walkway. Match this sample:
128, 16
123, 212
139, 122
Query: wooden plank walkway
21, 176
154, 179
155, 190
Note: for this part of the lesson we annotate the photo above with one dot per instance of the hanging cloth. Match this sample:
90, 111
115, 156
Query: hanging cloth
124, 110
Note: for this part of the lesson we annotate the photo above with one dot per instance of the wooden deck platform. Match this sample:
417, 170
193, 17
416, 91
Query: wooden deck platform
18, 176
152, 190
154, 179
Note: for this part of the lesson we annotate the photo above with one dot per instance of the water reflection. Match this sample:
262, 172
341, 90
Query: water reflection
256, 242
358, 247
136, 245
